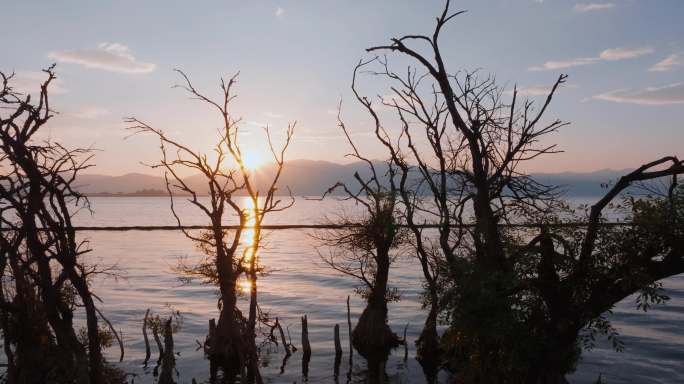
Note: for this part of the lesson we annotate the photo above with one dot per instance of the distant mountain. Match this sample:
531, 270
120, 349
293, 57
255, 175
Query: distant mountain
313, 178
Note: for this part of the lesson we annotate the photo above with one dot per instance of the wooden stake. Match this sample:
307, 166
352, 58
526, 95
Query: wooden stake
305, 337
282, 338
147, 341
338, 345
405, 343
306, 347
168, 361
351, 348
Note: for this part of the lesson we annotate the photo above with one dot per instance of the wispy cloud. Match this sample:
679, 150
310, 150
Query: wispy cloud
611, 54
590, 7
112, 57
29, 82
561, 64
667, 64
666, 95
280, 12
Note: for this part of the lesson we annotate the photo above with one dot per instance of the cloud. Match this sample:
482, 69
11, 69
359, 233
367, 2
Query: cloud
614, 54
89, 113
112, 57
667, 64
550, 65
29, 82
666, 95
584, 7
280, 12
611, 54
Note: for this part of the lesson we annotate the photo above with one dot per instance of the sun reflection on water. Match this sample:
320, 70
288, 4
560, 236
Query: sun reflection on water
250, 243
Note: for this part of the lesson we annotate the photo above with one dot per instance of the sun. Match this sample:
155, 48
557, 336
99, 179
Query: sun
251, 160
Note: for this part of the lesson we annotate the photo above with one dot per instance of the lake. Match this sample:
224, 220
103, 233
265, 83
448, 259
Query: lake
298, 284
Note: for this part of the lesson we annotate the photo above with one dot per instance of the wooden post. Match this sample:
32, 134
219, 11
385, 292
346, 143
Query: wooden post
305, 337
168, 361
338, 345
282, 338
405, 343
338, 351
351, 348
155, 334
306, 347
147, 341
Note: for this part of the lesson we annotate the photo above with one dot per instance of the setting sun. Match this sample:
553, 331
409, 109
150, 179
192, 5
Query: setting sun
252, 161
435, 201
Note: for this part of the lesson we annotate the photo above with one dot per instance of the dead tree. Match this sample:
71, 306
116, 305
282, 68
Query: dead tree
365, 248
40, 247
460, 143
226, 178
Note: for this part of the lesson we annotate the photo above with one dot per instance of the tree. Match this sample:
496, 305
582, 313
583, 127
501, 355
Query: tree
40, 252
232, 345
365, 250
517, 299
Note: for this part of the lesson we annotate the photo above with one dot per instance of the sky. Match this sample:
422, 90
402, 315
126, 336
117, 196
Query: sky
624, 97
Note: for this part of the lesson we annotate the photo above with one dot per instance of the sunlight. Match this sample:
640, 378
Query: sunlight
244, 285
252, 160
248, 234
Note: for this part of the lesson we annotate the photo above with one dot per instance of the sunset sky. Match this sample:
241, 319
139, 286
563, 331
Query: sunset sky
625, 61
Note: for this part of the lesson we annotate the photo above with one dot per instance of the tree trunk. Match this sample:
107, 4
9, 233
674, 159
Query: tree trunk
428, 351
372, 337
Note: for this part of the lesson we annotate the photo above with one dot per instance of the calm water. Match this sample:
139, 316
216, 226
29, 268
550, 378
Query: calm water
299, 284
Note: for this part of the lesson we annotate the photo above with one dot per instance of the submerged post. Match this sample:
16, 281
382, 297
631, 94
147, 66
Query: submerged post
338, 345
168, 361
338, 351
306, 346
282, 338
351, 348
405, 343
147, 340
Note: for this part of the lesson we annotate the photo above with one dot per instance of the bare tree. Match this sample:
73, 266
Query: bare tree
365, 250
496, 283
40, 250
227, 178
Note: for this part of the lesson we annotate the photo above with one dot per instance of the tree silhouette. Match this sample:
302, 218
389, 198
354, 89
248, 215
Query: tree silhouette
365, 248
232, 346
517, 299
40, 253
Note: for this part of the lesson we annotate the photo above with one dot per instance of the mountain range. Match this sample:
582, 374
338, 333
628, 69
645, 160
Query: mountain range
313, 178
